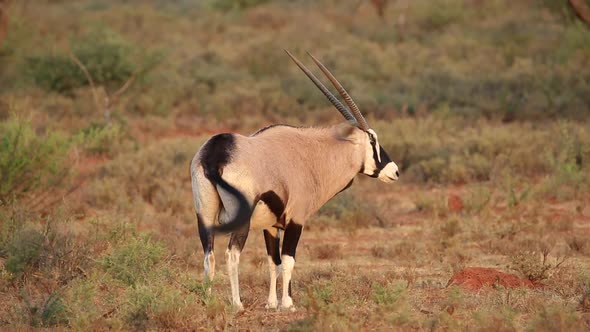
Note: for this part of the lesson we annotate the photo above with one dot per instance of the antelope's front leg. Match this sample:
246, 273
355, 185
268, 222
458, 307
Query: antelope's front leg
271, 237
290, 240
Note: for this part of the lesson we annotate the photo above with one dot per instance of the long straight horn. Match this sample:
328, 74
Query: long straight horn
355, 110
341, 108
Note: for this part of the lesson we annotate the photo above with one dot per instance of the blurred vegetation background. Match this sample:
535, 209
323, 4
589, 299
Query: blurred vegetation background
104, 103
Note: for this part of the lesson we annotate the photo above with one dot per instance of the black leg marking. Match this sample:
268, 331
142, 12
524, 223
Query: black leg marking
291, 239
272, 246
205, 235
276, 206
239, 237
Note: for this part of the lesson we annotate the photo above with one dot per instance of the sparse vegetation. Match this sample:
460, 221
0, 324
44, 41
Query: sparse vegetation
484, 105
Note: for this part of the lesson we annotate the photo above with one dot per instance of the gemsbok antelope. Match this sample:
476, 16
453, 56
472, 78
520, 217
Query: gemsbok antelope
275, 179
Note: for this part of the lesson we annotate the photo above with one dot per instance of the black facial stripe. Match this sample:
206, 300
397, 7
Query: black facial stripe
376, 171
375, 156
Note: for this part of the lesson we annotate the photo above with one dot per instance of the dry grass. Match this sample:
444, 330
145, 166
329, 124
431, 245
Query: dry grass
482, 104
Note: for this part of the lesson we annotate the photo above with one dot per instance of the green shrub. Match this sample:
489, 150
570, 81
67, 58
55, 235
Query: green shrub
346, 211
99, 139
133, 261
28, 160
389, 295
109, 59
155, 306
47, 311
24, 250
226, 5
31, 243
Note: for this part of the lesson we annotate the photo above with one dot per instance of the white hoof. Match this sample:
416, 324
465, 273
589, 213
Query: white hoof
291, 308
238, 307
287, 304
271, 305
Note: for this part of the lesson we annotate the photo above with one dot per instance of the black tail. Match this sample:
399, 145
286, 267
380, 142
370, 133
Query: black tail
244, 212
216, 153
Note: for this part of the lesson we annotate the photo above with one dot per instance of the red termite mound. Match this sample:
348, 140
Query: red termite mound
475, 278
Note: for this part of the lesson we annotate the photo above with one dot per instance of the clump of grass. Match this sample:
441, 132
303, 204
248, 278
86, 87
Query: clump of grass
326, 313
23, 251
346, 212
328, 251
389, 295
496, 320
578, 243
155, 306
33, 244
392, 301
156, 175
133, 262
50, 311
556, 318
28, 160
535, 266
101, 139
81, 298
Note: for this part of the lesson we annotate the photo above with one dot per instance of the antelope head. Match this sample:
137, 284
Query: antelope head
376, 163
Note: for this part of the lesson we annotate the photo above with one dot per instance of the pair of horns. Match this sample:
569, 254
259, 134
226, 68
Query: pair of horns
356, 115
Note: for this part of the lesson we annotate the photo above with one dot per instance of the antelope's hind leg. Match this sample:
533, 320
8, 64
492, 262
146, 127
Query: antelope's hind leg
272, 239
232, 256
207, 240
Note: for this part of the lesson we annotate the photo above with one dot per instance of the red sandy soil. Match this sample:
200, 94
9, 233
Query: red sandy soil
475, 278
455, 203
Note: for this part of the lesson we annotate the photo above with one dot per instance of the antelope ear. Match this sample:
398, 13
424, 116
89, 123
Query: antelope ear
346, 132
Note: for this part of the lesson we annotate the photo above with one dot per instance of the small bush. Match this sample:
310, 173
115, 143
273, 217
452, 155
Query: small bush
100, 139
390, 295
31, 243
226, 5
108, 58
28, 160
133, 261
46, 312
160, 306
24, 250
346, 211
534, 266
328, 251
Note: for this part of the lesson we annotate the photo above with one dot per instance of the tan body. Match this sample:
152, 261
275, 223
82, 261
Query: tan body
304, 179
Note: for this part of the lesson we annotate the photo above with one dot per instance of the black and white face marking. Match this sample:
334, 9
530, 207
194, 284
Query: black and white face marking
377, 162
